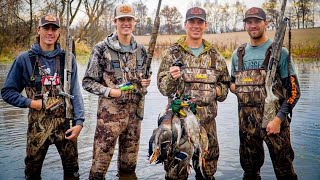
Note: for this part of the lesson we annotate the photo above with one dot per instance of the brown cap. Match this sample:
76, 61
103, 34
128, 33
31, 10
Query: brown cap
196, 12
255, 12
124, 10
49, 19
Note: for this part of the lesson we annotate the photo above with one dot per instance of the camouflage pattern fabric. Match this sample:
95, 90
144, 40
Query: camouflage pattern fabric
117, 118
251, 146
113, 122
208, 79
47, 127
251, 94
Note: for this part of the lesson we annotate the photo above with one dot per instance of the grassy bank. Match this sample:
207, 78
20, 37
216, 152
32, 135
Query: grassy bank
305, 44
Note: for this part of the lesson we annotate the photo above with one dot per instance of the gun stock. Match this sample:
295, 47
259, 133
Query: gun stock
271, 101
67, 72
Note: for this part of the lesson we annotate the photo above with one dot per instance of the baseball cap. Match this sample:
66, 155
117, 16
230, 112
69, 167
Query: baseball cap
49, 19
196, 12
255, 12
124, 10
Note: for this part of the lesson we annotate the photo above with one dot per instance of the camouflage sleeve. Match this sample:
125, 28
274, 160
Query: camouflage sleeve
223, 79
166, 84
93, 76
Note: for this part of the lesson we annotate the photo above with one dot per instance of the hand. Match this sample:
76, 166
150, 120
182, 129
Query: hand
218, 91
145, 82
233, 87
75, 131
273, 126
175, 72
36, 104
115, 93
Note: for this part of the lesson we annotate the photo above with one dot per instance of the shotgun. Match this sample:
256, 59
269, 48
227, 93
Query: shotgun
153, 40
67, 72
271, 101
152, 45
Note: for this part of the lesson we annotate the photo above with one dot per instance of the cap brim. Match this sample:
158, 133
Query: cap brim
258, 17
120, 16
196, 17
48, 24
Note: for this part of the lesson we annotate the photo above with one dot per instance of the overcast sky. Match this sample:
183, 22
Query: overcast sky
183, 5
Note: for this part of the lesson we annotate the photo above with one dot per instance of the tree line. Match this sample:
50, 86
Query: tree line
92, 20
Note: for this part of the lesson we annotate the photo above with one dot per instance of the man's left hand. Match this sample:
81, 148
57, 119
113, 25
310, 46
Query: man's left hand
274, 126
75, 131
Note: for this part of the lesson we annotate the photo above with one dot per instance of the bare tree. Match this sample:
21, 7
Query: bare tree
94, 10
271, 10
172, 18
141, 14
212, 9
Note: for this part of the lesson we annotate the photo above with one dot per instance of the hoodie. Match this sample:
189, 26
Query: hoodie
19, 77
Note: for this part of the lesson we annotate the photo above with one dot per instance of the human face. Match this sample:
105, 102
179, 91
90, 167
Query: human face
48, 34
125, 25
195, 28
255, 27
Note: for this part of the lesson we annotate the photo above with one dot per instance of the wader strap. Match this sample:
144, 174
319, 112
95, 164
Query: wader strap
267, 57
240, 53
35, 79
139, 61
115, 62
213, 57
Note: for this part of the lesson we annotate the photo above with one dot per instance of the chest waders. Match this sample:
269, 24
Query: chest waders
117, 118
250, 84
251, 93
125, 71
47, 126
200, 84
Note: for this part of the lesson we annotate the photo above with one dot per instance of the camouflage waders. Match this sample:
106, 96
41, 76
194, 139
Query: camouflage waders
115, 120
251, 94
201, 76
46, 127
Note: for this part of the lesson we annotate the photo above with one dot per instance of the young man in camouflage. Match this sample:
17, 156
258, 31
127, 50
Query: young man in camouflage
248, 73
207, 85
116, 64
40, 73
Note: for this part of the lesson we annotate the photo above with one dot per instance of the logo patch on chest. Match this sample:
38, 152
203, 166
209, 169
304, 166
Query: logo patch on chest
200, 76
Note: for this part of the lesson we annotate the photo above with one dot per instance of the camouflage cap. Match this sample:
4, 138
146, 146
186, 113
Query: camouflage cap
196, 12
255, 12
124, 10
49, 19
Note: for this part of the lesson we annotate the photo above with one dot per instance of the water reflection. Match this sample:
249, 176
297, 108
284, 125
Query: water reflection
305, 135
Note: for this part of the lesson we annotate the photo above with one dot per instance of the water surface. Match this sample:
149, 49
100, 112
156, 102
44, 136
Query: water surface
305, 135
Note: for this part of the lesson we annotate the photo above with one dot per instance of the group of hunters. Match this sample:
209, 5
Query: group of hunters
191, 70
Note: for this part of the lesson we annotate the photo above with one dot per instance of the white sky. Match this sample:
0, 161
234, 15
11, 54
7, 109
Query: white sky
183, 5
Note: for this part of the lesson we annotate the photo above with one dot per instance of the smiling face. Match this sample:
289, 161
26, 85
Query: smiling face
255, 27
195, 28
49, 35
125, 26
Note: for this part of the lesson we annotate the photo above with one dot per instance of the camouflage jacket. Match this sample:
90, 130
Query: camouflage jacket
100, 76
168, 86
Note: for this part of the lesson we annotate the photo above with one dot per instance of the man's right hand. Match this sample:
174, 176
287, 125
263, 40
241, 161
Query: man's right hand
36, 104
175, 72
